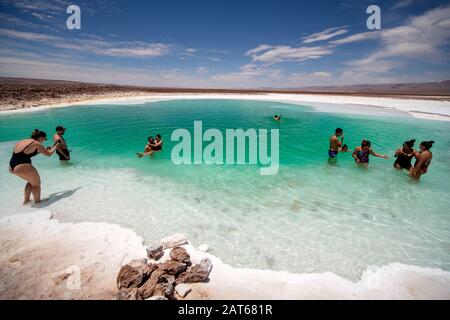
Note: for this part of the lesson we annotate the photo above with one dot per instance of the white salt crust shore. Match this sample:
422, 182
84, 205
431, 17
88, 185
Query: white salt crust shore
41, 258
413, 106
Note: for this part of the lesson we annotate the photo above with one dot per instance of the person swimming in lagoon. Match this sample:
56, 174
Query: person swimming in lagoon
423, 160
335, 143
277, 117
361, 154
404, 155
61, 150
152, 146
344, 148
21, 166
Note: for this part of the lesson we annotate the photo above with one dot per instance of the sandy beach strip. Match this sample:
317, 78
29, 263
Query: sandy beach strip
41, 258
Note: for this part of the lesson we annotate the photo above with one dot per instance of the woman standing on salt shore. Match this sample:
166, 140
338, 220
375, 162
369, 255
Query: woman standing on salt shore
20, 163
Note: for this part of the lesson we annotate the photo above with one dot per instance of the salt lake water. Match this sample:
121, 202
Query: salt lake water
311, 217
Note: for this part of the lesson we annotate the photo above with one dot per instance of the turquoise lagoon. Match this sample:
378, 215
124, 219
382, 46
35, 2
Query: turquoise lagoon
311, 217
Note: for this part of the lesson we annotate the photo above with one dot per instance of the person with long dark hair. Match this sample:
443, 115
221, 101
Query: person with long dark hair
404, 155
423, 160
20, 163
361, 154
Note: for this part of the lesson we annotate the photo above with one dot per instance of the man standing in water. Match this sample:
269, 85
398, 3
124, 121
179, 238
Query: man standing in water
335, 143
61, 149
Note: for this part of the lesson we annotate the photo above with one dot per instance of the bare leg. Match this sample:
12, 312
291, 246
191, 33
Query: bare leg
27, 193
37, 193
29, 173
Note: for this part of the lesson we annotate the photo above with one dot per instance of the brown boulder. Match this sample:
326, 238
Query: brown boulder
146, 290
168, 283
172, 267
155, 252
180, 254
197, 273
133, 274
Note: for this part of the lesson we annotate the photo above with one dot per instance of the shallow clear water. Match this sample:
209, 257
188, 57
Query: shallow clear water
310, 217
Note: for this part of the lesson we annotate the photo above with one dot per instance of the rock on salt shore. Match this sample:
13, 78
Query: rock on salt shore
182, 289
180, 254
160, 279
155, 252
196, 273
177, 239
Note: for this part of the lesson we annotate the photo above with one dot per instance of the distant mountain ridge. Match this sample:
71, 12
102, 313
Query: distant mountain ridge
441, 88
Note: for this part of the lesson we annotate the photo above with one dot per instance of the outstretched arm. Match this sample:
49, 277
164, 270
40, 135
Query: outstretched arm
47, 152
378, 155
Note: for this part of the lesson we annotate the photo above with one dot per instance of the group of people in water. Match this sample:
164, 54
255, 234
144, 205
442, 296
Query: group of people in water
403, 155
21, 166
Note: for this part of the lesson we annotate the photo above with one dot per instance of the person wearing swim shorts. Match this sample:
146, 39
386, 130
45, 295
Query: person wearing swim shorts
61, 150
361, 154
20, 163
423, 160
336, 141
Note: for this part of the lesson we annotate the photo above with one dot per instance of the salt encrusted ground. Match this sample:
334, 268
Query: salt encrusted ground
41, 258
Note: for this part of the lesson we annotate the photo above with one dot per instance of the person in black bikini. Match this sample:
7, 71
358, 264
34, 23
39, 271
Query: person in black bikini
158, 143
20, 163
423, 160
404, 155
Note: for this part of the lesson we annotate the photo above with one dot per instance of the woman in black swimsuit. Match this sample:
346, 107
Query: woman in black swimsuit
20, 163
404, 155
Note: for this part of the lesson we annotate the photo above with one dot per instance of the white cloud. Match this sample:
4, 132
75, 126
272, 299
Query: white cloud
322, 74
96, 45
29, 36
149, 50
357, 37
274, 54
421, 38
325, 34
402, 4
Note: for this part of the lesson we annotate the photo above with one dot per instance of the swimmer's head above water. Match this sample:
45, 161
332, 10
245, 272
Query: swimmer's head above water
38, 135
60, 130
366, 144
409, 144
426, 145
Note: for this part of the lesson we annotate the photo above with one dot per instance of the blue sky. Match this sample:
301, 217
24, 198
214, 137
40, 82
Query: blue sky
232, 44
